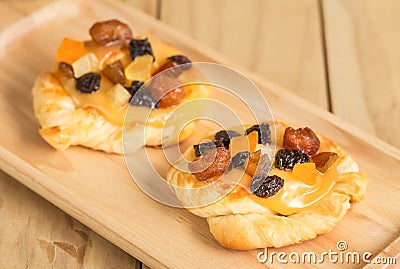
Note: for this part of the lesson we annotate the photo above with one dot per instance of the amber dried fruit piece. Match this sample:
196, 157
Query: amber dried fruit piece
266, 186
114, 72
65, 70
88, 83
285, 159
301, 139
172, 98
259, 164
139, 47
165, 89
110, 32
264, 133
324, 160
142, 98
212, 164
225, 136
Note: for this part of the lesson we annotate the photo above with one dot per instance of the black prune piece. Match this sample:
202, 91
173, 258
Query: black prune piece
139, 47
181, 60
264, 133
226, 136
239, 160
142, 98
285, 159
202, 148
88, 83
266, 186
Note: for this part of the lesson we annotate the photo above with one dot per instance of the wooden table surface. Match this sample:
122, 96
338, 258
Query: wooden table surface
342, 55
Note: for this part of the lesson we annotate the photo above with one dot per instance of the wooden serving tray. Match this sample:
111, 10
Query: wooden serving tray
97, 189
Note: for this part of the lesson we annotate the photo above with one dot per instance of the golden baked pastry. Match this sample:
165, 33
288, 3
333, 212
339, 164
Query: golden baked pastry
279, 197
84, 101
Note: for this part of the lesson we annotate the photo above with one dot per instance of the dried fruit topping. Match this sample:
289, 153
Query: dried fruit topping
259, 164
239, 160
266, 186
324, 160
264, 133
212, 164
86, 64
165, 89
172, 98
110, 32
70, 50
181, 60
225, 136
88, 83
252, 165
301, 139
139, 69
286, 158
177, 60
65, 70
202, 148
139, 47
141, 98
115, 72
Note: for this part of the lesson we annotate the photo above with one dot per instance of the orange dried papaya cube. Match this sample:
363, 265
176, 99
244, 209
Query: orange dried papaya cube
70, 50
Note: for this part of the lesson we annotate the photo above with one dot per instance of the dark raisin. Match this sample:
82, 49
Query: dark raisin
264, 133
88, 83
115, 72
202, 148
141, 98
65, 70
266, 186
139, 47
226, 136
177, 60
286, 158
239, 160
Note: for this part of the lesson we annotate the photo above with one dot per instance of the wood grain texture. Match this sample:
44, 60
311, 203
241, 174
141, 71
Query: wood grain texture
36, 234
279, 40
96, 188
12, 11
363, 40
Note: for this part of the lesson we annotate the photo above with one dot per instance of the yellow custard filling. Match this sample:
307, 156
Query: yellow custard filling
303, 187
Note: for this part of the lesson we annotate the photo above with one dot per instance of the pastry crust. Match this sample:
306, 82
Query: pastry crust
238, 222
62, 124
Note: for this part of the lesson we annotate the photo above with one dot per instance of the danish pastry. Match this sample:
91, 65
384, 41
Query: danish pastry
284, 192
84, 101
